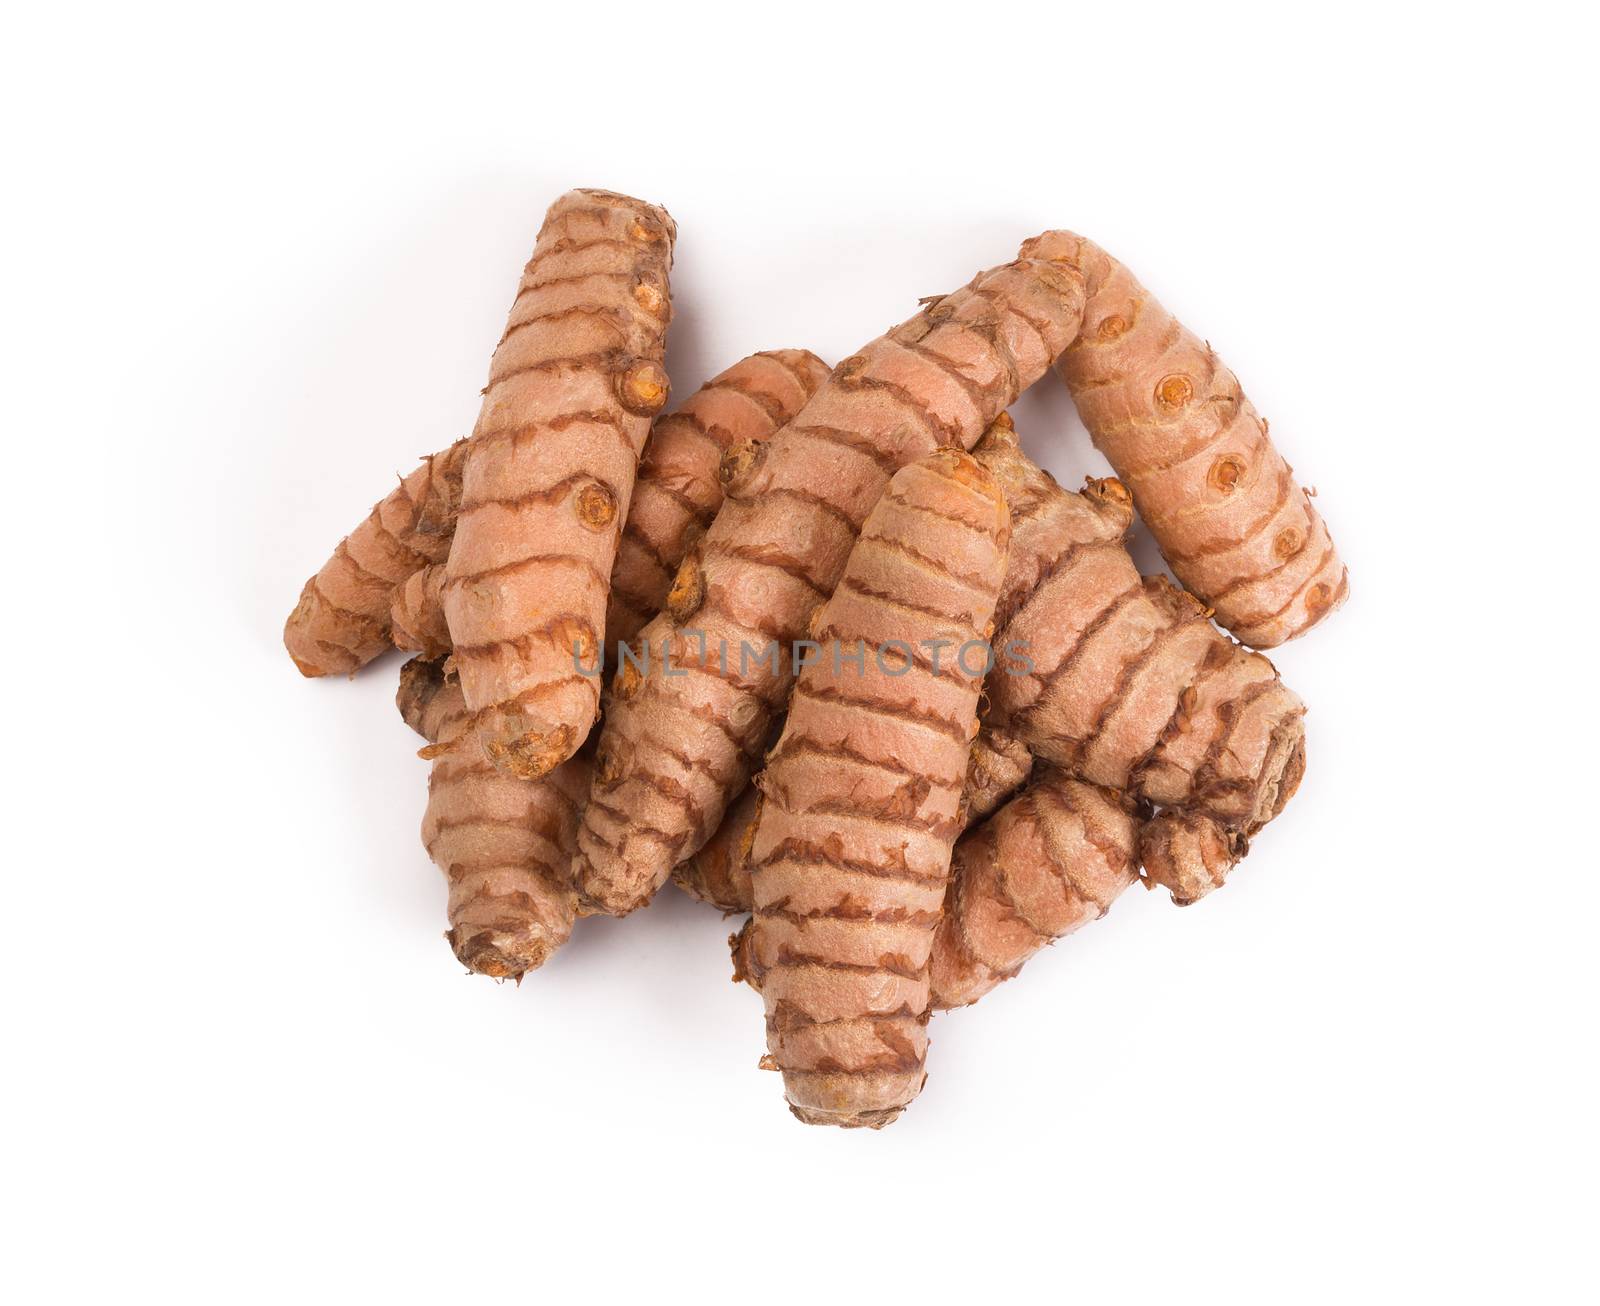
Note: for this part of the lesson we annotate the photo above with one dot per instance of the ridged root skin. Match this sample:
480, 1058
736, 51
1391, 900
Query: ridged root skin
719, 874
573, 387
861, 798
1221, 502
676, 750
997, 767
679, 491
504, 844
1126, 683
342, 619
1046, 863
416, 615
1189, 854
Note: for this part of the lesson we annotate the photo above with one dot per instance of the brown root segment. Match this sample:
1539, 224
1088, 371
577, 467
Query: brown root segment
504, 844
1189, 853
719, 874
861, 798
1050, 860
417, 613
573, 386
342, 619
1219, 499
1122, 681
678, 491
997, 767
676, 749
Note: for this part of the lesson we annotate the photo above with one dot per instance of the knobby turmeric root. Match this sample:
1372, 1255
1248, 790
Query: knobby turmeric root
504, 844
1050, 860
573, 386
1124, 682
1189, 853
342, 620
677, 748
1218, 497
862, 797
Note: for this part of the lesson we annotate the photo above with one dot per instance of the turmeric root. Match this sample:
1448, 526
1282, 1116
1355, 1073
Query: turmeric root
550, 468
504, 844
1174, 424
1189, 853
996, 768
719, 874
416, 616
342, 619
677, 748
1047, 862
862, 796
677, 494
1126, 684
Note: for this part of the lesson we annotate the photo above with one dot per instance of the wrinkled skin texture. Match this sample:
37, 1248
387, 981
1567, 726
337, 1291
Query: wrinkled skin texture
997, 767
1049, 861
573, 387
1189, 853
719, 874
504, 844
861, 798
679, 491
416, 616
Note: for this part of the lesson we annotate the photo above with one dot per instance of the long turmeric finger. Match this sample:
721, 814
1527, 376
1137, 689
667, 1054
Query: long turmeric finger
1220, 500
549, 473
862, 796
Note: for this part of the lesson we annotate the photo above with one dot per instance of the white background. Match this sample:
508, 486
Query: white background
254, 263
